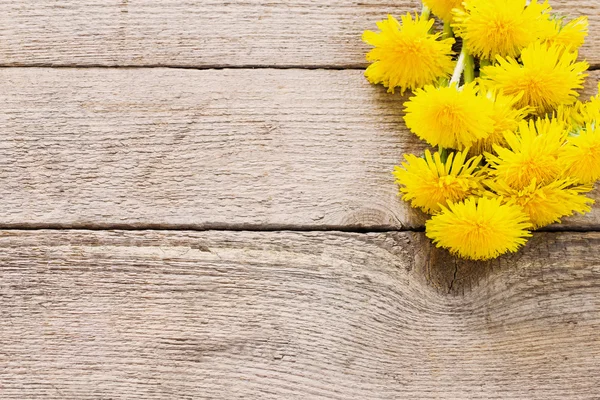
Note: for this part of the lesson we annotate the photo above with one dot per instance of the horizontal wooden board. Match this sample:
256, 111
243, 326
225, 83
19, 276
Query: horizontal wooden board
232, 315
203, 149
205, 33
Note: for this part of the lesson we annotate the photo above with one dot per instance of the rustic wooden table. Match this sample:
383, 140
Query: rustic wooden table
197, 204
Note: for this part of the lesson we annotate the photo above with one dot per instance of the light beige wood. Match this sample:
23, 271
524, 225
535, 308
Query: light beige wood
209, 33
230, 148
232, 315
238, 149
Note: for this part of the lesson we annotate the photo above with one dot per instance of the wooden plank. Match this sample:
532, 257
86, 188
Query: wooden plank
195, 33
231, 315
239, 149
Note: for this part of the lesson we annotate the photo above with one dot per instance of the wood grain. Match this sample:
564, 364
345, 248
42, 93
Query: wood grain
235, 149
209, 33
272, 315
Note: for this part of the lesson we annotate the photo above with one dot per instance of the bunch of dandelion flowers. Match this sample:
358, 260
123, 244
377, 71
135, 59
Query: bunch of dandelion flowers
533, 145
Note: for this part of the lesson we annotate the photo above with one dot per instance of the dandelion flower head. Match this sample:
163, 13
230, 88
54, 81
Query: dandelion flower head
506, 118
449, 117
545, 204
429, 183
581, 155
532, 153
499, 27
406, 55
548, 77
479, 228
570, 35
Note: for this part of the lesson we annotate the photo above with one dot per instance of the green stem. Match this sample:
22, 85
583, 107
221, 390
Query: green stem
443, 153
425, 12
483, 62
448, 32
469, 68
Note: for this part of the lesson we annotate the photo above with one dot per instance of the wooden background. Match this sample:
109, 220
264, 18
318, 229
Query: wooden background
196, 203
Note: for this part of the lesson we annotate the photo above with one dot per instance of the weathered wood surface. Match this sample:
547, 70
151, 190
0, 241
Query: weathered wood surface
204, 149
253, 315
281, 315
209, 33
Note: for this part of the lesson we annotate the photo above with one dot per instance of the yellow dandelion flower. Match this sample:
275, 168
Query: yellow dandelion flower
506, 118
449, 117
479, 228
570, 35
581, 155
579, 114
499, 27
443, 8
532, 153
548, 77
430, 183
572, 116
406, 55
590, 111
545, 204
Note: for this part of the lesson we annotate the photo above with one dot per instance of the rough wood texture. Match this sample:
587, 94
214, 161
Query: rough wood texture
201, 33
227, 148
226, 315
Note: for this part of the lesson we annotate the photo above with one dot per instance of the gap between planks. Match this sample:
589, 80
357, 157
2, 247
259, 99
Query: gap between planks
258, 228
350, 67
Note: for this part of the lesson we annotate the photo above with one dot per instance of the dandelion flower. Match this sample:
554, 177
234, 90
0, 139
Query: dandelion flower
590, 111
443, 8
532, 153
506, 118
572, 116
548, 77
449, 117
428, 183
479, 228
581, 155
579, 114
499, 27
570, 35
406, 55
545, 204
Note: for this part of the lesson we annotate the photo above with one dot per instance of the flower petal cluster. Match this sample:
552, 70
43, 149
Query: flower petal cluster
443, 8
